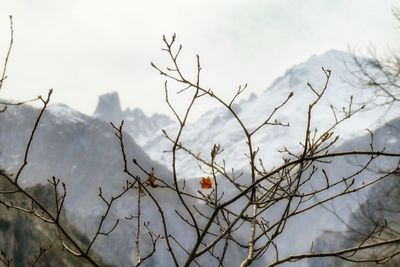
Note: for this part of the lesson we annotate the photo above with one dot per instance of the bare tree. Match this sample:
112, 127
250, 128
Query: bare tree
259, 203
376, 217
374, 220
380, 72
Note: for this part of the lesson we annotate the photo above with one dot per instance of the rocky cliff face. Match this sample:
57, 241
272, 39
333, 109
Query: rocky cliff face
137, 123
109, 108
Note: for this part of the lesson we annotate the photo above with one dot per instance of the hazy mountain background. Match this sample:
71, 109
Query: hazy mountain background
83, 152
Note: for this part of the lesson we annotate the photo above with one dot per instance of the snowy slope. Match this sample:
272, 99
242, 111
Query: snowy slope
219, 127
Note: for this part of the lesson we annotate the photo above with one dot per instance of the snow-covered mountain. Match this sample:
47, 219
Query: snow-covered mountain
219, 127
85, 154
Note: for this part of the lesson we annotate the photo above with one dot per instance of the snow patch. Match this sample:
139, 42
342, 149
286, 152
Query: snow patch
64, 113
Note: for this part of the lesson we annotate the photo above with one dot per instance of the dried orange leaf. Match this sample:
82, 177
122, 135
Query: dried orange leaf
152, 181
205, 183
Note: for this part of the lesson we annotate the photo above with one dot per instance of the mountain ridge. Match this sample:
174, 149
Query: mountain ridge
218, 126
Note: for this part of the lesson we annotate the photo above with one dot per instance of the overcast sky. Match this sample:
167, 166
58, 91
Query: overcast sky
83, 48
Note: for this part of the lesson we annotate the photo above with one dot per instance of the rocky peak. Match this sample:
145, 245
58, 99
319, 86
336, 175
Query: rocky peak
109, 108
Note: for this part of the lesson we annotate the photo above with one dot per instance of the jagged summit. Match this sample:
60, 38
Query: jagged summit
137, 115
330, 57
332, 53
333, 60
337, 61
109, 108
137, 123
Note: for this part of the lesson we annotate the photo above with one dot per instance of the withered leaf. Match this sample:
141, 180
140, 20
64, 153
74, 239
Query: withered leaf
206, 183
152, 180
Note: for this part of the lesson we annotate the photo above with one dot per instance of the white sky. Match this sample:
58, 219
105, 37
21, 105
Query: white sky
83, 48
